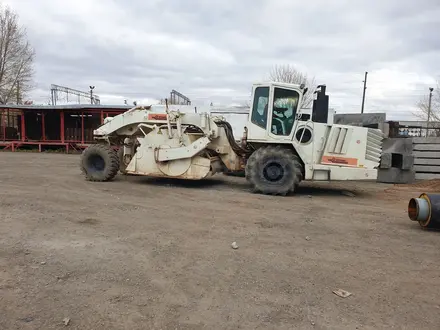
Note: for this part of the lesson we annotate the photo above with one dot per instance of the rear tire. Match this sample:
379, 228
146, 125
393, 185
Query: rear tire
99, 163
274, 170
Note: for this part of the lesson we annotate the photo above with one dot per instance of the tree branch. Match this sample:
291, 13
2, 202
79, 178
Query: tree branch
423, 105
16, 57
289, 74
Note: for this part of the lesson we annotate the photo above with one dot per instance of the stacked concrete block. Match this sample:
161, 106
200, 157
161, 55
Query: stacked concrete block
427, 157
397, 161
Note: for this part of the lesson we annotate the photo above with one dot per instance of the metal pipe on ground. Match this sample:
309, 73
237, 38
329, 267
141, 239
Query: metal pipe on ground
426, 210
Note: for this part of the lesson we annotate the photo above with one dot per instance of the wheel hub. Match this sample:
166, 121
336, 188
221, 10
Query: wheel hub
96, 163
273, 172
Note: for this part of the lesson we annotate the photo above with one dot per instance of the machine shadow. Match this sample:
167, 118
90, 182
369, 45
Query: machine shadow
310, 190
173, 182
240, 184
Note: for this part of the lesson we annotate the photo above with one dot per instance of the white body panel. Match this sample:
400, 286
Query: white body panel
127, 123
238, 118
341, 152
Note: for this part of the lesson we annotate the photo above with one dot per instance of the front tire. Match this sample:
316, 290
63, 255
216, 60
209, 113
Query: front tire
99, 163
274, 170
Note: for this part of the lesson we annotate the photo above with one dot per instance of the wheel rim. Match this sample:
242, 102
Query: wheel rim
95, 163
273, 172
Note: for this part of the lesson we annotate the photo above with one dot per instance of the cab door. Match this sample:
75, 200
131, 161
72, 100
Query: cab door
282, 112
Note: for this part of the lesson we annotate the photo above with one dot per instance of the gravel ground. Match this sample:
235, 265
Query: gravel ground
141, 253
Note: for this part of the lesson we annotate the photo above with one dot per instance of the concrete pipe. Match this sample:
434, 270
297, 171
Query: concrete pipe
426, 210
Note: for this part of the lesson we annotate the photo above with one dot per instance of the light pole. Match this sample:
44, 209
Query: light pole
91, 94
429, 109
363, 94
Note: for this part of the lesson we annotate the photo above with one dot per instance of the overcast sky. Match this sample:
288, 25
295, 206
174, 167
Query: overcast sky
214, 50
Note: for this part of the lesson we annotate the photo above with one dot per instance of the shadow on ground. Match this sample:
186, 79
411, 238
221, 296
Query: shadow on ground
310, 190
181, 183
240, 184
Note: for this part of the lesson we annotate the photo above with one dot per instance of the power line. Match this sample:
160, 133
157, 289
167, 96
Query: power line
55, 90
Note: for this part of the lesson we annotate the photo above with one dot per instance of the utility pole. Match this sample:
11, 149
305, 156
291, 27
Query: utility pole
363, 94
429, 109
91, 94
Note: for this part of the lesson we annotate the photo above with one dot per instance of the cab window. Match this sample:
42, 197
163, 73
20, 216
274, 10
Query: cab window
285, 105
259, 107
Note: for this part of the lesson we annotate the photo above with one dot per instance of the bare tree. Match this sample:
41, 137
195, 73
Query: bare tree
289, 74
16, 58
423, 106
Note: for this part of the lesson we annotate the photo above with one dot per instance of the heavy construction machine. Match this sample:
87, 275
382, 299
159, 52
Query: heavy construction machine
281, 145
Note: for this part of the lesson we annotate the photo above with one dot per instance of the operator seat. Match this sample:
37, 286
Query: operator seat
278, 120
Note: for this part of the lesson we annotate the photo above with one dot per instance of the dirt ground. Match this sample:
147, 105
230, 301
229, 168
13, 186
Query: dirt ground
140, 253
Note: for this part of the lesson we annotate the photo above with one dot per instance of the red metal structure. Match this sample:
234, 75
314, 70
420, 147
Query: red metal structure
48, 127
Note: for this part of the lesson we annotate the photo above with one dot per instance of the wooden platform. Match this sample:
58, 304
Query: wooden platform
41, 146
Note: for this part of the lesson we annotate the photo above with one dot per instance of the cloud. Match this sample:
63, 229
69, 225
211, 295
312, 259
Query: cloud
214, 50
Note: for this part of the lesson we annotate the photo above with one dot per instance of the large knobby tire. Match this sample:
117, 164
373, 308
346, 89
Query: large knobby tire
274, 170
99, 163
